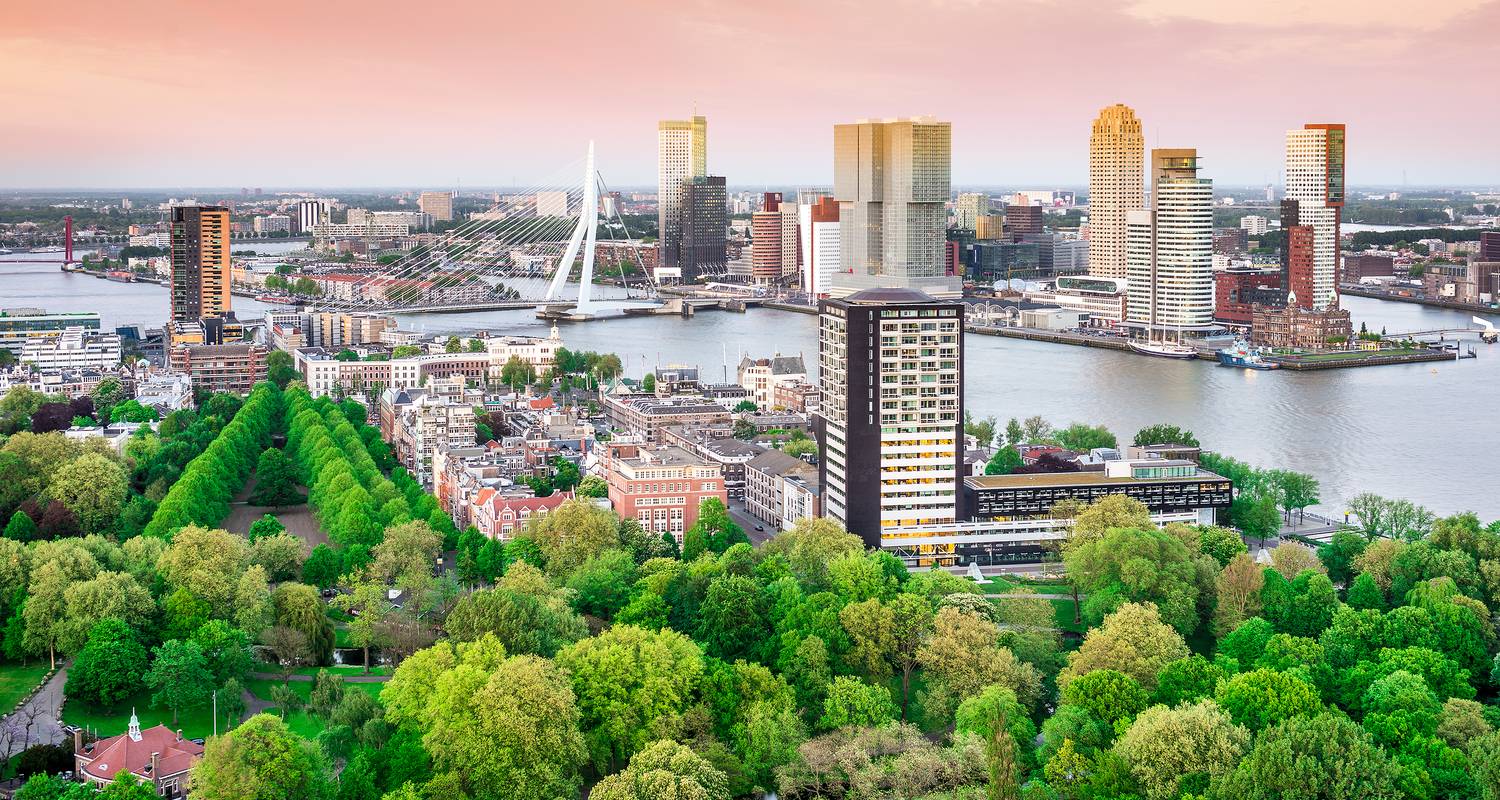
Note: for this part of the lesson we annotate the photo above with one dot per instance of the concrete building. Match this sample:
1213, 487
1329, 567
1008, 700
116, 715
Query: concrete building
1238, 290
891, 179
200, 276
1024, 220
681, 158
74, 349
773, 255
233, 368
701, 245
1315, 182
419, 422
1116, 180
271, 223
891, 423
21, 325
437, 205
1103, 299
647, 416
968, 208
1255, 225
1170, 249
662, 488
761, 376
1358, 266
765, 489
307, 213
818, 227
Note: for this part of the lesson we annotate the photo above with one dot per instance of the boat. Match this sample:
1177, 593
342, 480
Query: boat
1243, 355
120, 275
48, 249
1164, 349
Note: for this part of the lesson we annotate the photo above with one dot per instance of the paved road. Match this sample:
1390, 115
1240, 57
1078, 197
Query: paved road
41, 714
743, 519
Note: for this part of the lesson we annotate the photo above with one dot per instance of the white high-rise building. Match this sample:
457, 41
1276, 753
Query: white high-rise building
818, 230
968, 208
1315, 180
1255, 225
1170, 248
681, 156
891, 180
1116, 163
312, 212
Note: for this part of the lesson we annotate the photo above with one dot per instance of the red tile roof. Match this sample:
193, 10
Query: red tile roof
109, 756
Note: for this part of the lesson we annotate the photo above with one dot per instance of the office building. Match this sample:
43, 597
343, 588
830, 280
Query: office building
969, 207
1299, 328
272, 223
891, 179
437, 205
1169, 248
232, 368
18, 326
1231, 241
681, 160
1023, 220
1300, 264
1000, 261
1116, 151
773, 255
310, 213
1489, 246
701, 241
890, 430
660, 487
200, 262
1315, 182
818, 227
552, 204
1255, 225
990, 227
74, 349
1103, 299
1238, 290
1358, 266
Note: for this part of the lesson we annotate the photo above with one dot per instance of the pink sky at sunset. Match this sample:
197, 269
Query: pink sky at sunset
168, 93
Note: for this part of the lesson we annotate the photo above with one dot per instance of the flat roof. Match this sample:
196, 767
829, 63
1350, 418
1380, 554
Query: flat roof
1048, 479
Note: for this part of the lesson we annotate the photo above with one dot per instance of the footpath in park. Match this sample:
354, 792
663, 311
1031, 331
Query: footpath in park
41, 713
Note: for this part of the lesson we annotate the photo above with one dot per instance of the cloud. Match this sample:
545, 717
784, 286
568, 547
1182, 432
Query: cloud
1400, 15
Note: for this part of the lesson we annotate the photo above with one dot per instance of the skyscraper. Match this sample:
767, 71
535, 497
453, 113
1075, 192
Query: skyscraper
310, 213
1116, 151
968, 208
774, 245
818, 225
681, 157
891, 180
1315, 181
891, 423
701, 225
438, 205
200, 263
1170, 248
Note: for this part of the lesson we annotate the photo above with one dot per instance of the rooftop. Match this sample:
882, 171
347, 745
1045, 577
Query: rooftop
1050, 479
888, 296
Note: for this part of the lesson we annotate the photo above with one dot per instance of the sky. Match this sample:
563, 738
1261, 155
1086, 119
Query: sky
100, 93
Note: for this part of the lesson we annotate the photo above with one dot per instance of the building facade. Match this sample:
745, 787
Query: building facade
437, 205
773, 255
21, 325
701, 244
1117, 149
818, 228
74, 349
1299, 328
1024, 220
681, 157
1170, 248
200, 276
890, 431
660, 487
892, 182
232, 368
1315, 182
968, 208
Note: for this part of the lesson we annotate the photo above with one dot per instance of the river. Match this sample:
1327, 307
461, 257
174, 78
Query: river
1427, 432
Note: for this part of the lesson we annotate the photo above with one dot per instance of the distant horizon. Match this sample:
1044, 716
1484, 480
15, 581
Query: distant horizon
271, 191
129, 95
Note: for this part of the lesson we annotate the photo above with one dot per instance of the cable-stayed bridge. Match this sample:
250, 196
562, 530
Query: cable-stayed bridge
542, 246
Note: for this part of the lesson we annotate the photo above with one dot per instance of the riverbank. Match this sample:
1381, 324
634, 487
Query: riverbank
1431, 302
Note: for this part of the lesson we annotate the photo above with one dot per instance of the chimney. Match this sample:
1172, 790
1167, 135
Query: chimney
155, 762
179, 734
78, 740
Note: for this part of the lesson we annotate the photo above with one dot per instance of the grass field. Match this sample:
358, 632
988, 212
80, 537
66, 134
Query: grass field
301, 722
17, 681
342, 669
194, 723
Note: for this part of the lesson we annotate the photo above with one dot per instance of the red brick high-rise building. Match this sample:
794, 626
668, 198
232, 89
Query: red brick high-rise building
1300, 266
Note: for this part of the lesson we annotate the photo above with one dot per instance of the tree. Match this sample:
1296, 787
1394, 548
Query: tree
45, 610
1188, 680
997, 718
664, 770
266, 525
1370, 510
288, 645
93, 487
1094, 520
1327, 756
179, 676
280, 555
714, 528
1162, 433
501, 727
1264, 697
1400, 707
648, 385
1255, 515
1132, 640
1237, 593
1035, 430
961, 657
1364, 593
571, 533
299, 606
592, 486
207, 563
106, 595
517, 373
275, 480
1106, 694
1222, 544
322, 567
852, 702
1166, 745
452, 345
1003, 462
1339, 553
1292, 558
226, 650
260, 760
108, 669
254, 609
1082, 438
1139, 565
983, 430
1295, 491
406, 556
367, 605
280, 369
21, 528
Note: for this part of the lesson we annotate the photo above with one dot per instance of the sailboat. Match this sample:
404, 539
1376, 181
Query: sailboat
1163, 348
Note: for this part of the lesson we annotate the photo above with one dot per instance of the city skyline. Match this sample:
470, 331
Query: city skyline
105, 90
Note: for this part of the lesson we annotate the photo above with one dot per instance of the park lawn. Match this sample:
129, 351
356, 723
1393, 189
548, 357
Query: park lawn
306, 725
262, 688
18, 681
1064, 609
996, 585
194, 723
337, 669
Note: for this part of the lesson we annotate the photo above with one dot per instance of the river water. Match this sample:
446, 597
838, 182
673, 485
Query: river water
1428, 432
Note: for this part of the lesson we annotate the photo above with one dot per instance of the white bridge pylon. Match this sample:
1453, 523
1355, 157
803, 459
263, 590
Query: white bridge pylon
584, 234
